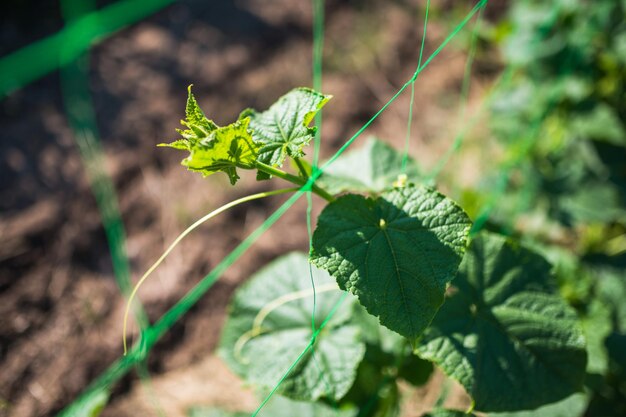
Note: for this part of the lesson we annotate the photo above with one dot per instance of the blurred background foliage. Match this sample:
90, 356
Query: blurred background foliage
559, 118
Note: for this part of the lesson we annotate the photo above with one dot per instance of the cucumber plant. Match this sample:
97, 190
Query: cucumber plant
566, 188
399, 285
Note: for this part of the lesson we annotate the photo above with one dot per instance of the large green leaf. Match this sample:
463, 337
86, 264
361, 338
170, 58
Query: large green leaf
397, 253
503, 334
372, 168
573, 406
212, 148
269, 325
284, 130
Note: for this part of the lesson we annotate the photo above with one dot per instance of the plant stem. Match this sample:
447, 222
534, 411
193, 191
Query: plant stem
294, 180
183, 235
301, 168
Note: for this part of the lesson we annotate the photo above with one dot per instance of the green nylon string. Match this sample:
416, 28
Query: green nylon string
82, 119
152, 334
185, 233
327, 385
309, 230
503, 81
32, 62
405, 156
317, 71
437, 51
458, 140
328, 317
318, 51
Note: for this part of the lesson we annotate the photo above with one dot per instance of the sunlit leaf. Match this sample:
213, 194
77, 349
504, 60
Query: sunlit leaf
269, 326
503, 334
283, 130
397, 253
212, 148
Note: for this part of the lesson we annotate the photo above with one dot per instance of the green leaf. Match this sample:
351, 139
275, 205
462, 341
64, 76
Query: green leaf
284, 130
269, 325
503, 334
373, 168
194, 114
212, 148
573, 406
397, 253
226, 149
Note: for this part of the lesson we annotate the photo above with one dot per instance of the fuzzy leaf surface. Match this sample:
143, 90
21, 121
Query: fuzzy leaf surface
226, 149
397, 253
503, 334
212, 148
283, 291
371, 169
283, 130
197, 124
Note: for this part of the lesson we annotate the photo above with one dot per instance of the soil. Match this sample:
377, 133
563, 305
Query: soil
60, 309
